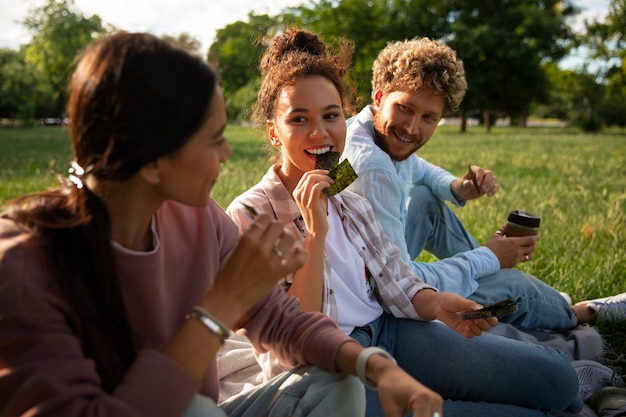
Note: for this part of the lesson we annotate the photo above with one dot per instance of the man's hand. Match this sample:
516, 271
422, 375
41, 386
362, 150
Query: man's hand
512, 250
475, 183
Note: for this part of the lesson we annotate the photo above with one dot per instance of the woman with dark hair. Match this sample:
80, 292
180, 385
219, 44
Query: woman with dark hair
118, 288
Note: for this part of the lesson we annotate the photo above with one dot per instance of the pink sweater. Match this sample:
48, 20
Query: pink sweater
42, 368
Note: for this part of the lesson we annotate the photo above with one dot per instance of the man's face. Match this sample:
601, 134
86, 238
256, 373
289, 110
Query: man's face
404, 121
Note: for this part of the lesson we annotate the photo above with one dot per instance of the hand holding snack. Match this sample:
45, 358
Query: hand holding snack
475, 183
500, 308
343, 174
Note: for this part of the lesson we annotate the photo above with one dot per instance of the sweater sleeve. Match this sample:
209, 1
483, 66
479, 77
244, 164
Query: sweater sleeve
296, 337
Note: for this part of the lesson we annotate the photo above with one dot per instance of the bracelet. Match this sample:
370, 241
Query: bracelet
215, 326
361, 364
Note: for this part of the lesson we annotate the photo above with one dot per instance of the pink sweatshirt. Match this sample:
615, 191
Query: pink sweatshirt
43, 371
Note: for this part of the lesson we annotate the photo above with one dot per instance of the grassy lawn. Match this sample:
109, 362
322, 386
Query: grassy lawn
576, 182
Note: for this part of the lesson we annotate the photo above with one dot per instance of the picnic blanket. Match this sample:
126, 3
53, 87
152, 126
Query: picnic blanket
239, 369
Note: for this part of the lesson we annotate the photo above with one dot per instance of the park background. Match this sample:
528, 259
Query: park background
554, 136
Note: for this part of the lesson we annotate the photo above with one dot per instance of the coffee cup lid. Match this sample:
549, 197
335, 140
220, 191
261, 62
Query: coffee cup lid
524, 218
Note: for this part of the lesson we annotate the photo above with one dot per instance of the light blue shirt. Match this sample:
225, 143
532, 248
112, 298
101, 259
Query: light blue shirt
386, 184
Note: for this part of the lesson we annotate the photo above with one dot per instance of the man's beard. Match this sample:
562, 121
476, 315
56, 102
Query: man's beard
381, 138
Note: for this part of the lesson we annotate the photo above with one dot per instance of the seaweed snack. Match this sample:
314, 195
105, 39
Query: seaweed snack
500, 308
343, 174
472, 176
327, 161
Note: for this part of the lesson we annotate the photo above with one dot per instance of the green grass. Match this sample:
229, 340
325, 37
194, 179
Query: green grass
575, 181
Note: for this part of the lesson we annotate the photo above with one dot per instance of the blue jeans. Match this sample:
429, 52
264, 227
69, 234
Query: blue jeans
305, 391
433, 226
484, 376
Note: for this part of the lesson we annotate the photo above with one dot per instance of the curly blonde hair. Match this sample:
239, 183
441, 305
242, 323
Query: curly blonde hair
418, 63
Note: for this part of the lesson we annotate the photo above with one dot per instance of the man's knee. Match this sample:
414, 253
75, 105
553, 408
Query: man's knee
422, 199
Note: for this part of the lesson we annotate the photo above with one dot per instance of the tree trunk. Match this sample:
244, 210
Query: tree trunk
487, 121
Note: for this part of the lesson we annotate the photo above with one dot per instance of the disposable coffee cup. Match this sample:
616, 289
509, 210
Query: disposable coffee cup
521, 223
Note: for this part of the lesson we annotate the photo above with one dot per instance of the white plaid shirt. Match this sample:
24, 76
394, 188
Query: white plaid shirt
395, 282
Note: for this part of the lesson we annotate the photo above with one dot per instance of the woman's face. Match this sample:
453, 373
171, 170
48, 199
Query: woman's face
308, 121
188, 176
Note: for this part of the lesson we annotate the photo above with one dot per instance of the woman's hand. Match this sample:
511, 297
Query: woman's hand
312, 203
445, 306
308, 282
400, 394
265, 254
449, 304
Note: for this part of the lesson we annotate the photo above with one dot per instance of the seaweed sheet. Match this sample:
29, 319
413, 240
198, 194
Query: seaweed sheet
343, 174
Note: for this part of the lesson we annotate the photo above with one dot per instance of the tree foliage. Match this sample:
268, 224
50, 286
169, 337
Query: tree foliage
236, 53
607, 41
59, 32
22, 91
503, 44
184, 40
370, 26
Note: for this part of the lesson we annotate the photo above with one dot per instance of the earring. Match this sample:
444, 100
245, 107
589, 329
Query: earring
274, 141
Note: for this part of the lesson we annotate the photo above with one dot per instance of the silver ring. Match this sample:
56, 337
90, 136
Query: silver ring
255, 224
526, 257
278, 252
436, 414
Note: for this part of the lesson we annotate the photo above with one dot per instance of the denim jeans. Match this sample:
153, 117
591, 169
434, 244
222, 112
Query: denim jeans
305, 391
487, 375
433, 226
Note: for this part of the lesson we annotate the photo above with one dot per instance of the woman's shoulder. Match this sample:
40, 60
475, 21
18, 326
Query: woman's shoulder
256, 196
12, 236
9, 227
25, 268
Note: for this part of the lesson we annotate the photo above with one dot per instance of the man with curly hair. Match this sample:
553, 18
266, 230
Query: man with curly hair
414, 84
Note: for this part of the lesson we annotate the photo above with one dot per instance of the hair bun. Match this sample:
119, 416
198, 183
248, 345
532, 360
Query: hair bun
295, 41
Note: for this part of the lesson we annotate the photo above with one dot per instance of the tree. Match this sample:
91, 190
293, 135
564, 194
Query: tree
503, 44
370, 26
184, 40
236, 53
59, 31
607, 42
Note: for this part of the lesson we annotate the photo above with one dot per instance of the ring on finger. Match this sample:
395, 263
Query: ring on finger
526, 257
255, 224
278, 252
